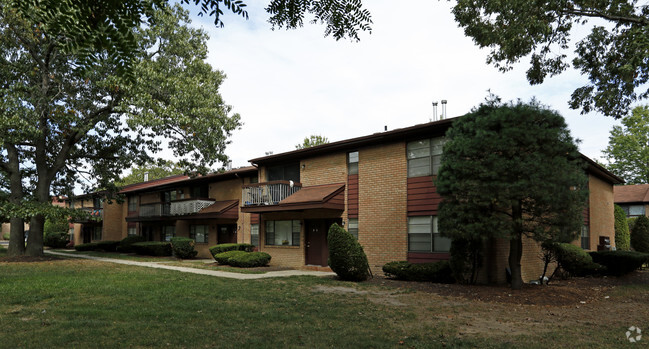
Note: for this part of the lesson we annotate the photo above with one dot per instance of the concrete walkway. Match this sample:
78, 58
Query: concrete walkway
224, 274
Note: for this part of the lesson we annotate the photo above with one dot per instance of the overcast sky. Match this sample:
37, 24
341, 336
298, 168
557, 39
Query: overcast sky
288, 85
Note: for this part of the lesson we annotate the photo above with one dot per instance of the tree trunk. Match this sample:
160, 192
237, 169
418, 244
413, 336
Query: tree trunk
16, 237
35, 238
516, 246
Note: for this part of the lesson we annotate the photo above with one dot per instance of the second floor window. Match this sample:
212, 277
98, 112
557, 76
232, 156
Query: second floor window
424, 156
132, 203
633, 210
288, 172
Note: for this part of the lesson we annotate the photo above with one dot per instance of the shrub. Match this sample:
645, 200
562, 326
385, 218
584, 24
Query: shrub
640, 235
249, 259
224, 257
126, 245
620, 262
631, 222
6, 236
576, 261
152, 248
183, 247
231, 247
91, 246
346, 256
106, 246
622, 235
56, 239
439, 272
466, 259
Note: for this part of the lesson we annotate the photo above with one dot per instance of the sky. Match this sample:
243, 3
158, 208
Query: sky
288, 85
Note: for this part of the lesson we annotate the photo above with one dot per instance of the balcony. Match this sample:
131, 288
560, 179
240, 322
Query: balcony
93, 214
269, 193
190, 206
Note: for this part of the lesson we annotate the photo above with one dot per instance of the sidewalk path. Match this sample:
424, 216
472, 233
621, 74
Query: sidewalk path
218, 273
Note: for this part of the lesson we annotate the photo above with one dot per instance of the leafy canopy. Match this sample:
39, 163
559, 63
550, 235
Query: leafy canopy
160, 169
628, 147
312, 141
508, 171
614, 57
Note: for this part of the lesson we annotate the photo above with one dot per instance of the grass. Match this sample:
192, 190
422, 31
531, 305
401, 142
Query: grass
80, 304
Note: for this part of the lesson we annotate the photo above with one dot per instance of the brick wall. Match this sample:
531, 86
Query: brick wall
382, 196
602, 220
326, 169
112, 223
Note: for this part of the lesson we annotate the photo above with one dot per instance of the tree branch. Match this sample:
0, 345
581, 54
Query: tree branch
599, 14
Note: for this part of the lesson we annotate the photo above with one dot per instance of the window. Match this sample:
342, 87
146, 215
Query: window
199, 233
423, 235
283, 233
425, 156
96, 233
168, 231
97, 203
352, 163
633, 210
132, 231
284, 173
585, 237
352, 227
254, 234
201, 191
72, 233
132, 203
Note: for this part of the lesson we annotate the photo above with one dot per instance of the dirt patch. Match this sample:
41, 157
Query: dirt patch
378, 297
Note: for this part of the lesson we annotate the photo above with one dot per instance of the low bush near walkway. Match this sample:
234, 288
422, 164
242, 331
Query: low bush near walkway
231, 247
126, 245
106, 246
438, 272
618, 263
6, 236
223, 257
250, 260
183, 247
152, 248
56, 239
346, 256
576, 261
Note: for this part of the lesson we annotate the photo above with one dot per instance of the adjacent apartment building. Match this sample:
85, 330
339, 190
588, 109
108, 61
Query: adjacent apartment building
633, 199
380, 187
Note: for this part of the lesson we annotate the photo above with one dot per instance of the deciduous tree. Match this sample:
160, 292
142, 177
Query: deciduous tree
511, 171
628, 147
614, 56
312, 141
160, 169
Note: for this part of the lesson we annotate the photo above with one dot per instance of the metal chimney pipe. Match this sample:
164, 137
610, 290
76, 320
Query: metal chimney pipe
444, 116
434, 111
146, 176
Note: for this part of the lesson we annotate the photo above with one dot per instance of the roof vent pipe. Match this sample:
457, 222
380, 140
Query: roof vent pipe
385, 128
228, 166
443, 109
146, 176
434, 111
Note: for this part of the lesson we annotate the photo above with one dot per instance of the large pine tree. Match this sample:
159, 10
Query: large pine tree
510, 171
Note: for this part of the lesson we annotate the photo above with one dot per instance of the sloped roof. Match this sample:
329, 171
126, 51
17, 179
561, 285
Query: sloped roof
153, 183
163, 183
327, 197
631, 193
219, 206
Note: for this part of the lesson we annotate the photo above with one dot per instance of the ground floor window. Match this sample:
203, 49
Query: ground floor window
254, 234
283, 233
423, 235
96, 233
198, 233
352, 227
585, 237
168, 231
132, 230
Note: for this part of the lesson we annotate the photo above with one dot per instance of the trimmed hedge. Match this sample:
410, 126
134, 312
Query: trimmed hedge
620, 262
576, 261
126, 245
640, 235
152, 248
438, 272
58, 239
183, 247
224, 257
106, 246
6, 236
231, 247
622, 234
346, 256
250, 260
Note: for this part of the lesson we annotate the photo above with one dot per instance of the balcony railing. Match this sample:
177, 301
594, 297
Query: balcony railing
269, 193
190, 206
94, 214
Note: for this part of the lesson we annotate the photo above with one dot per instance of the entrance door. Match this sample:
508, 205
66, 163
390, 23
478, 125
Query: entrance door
147, 232
315, 234
87, 234
227, 234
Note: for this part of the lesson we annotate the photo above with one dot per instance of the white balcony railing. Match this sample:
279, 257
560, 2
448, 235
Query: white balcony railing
183, 207
270, 193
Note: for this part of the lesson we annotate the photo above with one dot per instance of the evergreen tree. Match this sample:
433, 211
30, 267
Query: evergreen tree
640, 235
622, 235
511, 171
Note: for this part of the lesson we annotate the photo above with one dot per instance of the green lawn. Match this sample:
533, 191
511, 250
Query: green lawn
80, 304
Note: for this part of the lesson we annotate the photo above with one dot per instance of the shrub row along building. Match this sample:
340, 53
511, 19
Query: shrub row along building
380, 187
